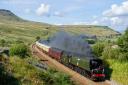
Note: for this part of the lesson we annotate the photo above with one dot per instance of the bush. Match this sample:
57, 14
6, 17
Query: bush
53, 77
2, 42
110, 53
37, 38
6, 77
123, 41
123, 57
19, 50
98, 49
26, 73
123, 44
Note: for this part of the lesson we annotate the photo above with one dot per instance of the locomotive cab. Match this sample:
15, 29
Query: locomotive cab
97, 69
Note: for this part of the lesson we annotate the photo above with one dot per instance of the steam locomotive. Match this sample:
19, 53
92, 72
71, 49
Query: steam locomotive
89, 67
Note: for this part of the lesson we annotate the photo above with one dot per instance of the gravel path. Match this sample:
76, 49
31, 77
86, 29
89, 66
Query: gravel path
76, 77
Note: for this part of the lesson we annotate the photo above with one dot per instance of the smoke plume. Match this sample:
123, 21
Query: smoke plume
70, 43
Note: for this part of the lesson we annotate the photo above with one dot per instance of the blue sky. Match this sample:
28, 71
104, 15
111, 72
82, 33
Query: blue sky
113, 13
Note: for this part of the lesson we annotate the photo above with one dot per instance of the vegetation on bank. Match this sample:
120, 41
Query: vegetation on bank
22, 69
109, 50
18, 71
119, 71
29, 75
19, 50
115, 55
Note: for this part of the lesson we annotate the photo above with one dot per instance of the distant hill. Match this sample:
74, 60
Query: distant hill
99, 31
8, 15
14, 28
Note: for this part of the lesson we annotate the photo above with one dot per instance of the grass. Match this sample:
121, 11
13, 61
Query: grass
13, 31
120, 71
100, 31
27, 74
26, 32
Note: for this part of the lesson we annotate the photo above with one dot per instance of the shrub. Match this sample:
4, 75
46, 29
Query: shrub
26, 73
123, 44
19, 50
53, 77
37, 38
123, 57
6, 77
2, 42
98, 49
123, 41
110, 53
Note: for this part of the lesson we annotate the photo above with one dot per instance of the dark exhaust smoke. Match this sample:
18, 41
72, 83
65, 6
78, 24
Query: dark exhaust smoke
70, 43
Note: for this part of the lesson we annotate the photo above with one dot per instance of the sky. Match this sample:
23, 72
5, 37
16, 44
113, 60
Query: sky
112, 13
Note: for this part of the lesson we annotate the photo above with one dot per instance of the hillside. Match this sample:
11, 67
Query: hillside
99, 31
8, 15
13, 28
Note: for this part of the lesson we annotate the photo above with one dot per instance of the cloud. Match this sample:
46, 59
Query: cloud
111, 21
117, 10
116, 20
115, 17
43, 9
116, 23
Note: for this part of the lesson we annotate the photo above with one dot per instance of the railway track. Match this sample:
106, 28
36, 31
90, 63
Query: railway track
76, 77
